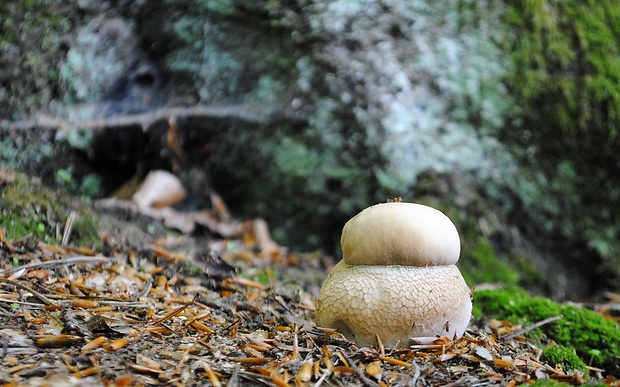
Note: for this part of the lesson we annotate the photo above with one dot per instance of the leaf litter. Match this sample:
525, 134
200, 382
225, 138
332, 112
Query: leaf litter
241, 313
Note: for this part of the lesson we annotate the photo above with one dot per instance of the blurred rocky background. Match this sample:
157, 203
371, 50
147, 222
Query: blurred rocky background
504, 116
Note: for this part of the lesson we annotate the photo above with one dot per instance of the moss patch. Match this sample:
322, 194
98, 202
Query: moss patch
483, 265
27, 209
553, 383
566, 79
595, 340
564, 357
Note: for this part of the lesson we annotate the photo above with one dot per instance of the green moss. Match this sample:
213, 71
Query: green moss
28, 209
544, 383
554, 383
497, 303
483, 265
562, 51
567, 80
564, 357
85, 231
265, 277
191, 270
595, 340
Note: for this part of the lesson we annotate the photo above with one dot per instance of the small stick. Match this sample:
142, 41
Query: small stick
125, 304
66, 233
171, 314
360, 373
145, 291
258, 114
57, 262
531, 327
380, 345
40, 296
321, 379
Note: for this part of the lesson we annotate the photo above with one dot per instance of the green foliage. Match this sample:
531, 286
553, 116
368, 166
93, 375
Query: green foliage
565, 357
64, 177
90, 186
594, 339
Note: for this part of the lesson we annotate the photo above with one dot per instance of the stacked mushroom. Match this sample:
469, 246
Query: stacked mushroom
397, 279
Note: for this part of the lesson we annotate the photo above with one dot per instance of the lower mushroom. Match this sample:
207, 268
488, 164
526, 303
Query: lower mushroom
395, 302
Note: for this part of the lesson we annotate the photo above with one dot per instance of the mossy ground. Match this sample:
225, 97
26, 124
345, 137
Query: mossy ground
564, 357
553, 383
28, 209
595, 340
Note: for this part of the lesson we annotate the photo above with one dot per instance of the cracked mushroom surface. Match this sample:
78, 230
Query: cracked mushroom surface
397, 278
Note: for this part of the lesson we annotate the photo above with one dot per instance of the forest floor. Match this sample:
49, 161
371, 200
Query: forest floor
149, 306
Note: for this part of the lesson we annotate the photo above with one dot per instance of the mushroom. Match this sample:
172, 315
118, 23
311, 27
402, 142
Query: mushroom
397, 278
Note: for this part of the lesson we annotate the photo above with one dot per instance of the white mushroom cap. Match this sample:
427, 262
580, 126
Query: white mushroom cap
400, 234
395, 302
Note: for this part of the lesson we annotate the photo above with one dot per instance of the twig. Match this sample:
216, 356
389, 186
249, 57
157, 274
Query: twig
17, 302
416, 374
125, 304
5, 346
40, 296
233, 381
104, 301
66, 234
359, 372
171, 314
144, 292
57, 262
5, 312
250, 113
322, 379
531, 327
